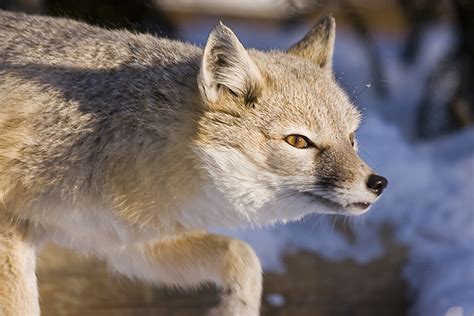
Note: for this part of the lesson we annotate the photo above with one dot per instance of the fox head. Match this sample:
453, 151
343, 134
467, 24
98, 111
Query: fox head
277, 139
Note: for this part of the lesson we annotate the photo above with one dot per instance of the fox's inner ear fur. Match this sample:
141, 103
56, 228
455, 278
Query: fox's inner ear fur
318, 44
226, 66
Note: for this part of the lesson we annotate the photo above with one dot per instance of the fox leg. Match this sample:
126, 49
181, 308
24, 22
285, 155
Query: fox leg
18, 288
197, 258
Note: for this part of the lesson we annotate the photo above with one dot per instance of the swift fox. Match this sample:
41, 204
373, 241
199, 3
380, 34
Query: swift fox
129, 147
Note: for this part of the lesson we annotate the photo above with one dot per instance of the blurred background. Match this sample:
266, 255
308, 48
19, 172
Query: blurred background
409, 67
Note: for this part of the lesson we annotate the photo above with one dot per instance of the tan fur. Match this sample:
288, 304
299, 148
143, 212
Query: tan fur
18, 292
124, 145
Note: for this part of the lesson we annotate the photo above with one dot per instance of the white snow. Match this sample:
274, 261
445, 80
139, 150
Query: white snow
429, 202
275, 299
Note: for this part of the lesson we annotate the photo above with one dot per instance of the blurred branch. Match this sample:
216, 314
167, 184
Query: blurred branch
138, 15
447, 103
417, 14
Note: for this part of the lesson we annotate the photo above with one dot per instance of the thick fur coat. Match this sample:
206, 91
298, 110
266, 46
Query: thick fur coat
128, 147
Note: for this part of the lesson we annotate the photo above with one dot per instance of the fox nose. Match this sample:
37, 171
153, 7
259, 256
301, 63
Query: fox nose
376, 183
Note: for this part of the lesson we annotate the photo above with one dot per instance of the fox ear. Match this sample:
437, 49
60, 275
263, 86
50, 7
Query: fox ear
318, 44
227, 67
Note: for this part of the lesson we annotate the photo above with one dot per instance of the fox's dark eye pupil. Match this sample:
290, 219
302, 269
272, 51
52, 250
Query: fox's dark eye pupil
300, 142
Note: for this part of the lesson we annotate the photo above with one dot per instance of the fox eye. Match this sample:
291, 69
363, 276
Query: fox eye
298, 141
352, 139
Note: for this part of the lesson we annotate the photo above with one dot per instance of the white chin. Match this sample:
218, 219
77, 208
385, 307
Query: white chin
354, 210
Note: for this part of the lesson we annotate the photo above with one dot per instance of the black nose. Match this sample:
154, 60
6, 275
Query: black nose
376, 183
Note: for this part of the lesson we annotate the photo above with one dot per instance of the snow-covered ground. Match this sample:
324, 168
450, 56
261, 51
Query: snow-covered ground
430, 199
